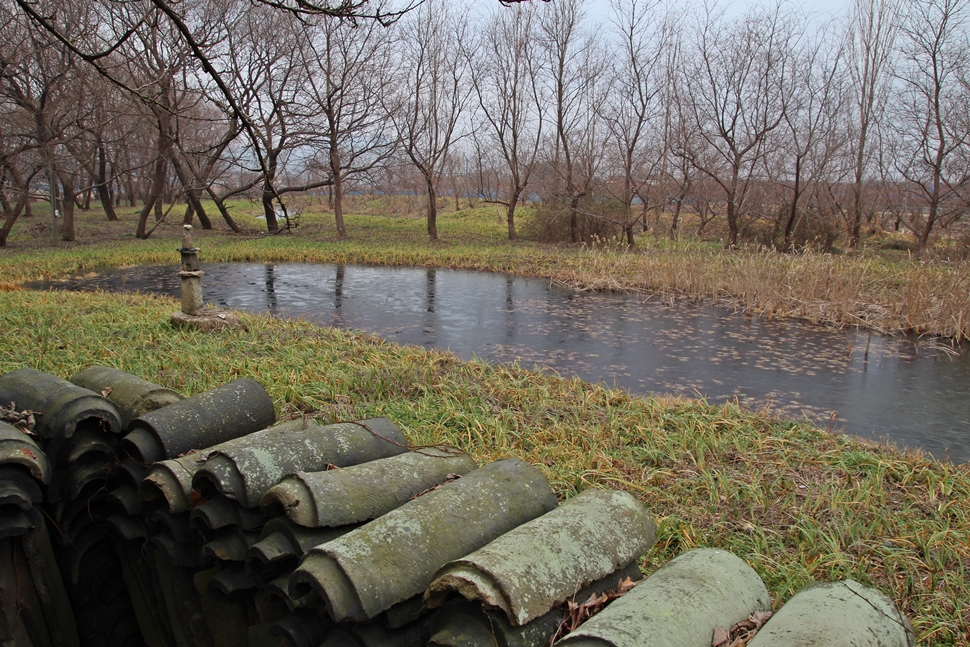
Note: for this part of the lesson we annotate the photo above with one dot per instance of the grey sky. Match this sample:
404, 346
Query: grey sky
599, 10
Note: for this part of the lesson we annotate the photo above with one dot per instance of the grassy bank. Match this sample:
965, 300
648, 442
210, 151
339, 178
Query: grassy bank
880, 289
800, 505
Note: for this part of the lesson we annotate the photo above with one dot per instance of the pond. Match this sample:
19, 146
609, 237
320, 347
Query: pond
911, 392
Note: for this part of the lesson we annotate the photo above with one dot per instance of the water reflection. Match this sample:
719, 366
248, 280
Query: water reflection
913, 394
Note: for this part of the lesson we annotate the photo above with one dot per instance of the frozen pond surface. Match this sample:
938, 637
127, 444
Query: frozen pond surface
915, 394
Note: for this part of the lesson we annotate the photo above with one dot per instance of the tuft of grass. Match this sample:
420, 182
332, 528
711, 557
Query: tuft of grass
799, 504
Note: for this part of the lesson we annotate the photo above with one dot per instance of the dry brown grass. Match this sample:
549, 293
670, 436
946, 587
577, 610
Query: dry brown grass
886, 296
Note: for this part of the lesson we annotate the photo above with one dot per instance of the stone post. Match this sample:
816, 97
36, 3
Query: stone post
191, 275
193, 313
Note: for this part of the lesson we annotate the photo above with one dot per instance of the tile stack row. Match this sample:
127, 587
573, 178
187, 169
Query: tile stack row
199, 522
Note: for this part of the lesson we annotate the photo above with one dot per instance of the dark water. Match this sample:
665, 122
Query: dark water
912, 393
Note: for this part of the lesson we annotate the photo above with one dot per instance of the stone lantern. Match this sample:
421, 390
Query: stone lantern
194, 314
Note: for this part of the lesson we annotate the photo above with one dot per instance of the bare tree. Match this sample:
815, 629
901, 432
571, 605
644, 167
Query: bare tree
505, 77
573, 65
635, 107
348, 77
40, 84
270, 84
432, 94
813, 137
872, 31
737, 91
930, 119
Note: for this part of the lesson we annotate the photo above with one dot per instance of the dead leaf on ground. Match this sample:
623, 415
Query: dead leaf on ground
742, 632
22, 420
577, 614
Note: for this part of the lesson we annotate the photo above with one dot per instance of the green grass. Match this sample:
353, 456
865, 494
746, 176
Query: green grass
799, 504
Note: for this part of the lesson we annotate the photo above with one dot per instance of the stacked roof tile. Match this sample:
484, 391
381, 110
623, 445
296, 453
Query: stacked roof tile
197, 522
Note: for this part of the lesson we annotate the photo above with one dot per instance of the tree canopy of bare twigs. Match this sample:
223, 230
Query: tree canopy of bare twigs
783, 129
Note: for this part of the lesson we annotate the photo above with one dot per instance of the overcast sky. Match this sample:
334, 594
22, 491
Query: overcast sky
599, 10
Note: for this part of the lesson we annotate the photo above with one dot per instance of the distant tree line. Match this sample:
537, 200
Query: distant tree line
784, 129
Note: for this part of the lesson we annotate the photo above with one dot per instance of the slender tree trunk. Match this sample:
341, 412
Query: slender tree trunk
510, 212
793, 210
628, 219
221, 206
924, 234
104, 192
855, 231
269, 210
732, 209
103, 186
272, 226
195, 201
574, 218
68, 232
192, 196
153, 196
432, 209
10, 218
672, 232
4, 203
732, 219
337, 191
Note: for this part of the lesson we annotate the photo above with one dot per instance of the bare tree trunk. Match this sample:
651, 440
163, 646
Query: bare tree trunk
130, 191
10, 218
672, 232
924, 234
574, 217
432, 209
337, 191
165, 140
855, 219
221, 206
103, 186
732, 219
793, 209
192, 197
272, 226
68, 233
153, 196
510, 213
